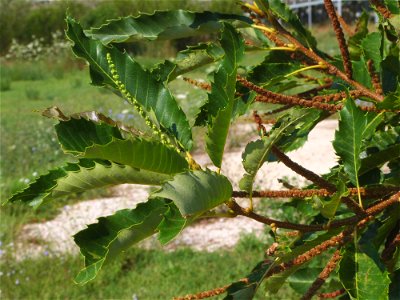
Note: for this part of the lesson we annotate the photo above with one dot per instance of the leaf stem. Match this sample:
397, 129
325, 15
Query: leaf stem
264, 28
283, 48
319, 66
253, 7
192, 162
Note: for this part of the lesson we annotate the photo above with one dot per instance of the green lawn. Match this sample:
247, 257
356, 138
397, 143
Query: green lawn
148, 274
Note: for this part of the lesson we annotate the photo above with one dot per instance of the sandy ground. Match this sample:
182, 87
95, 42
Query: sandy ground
55, 236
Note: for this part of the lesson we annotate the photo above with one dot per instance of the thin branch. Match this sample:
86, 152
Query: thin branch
344, 50
329, 268
299, 193
237, 209
318, 180
288, 225
370, 212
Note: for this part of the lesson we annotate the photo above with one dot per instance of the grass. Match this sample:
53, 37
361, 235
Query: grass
148, 274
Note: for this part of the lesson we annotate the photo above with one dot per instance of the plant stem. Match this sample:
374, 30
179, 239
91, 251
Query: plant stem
319, 66
264, 28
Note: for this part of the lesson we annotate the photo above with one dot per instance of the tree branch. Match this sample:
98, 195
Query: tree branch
318, 180
370, 212
299, 193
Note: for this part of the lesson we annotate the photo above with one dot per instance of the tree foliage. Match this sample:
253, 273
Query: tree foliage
355, 210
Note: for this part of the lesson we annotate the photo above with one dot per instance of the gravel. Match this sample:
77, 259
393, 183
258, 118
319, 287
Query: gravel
55, 236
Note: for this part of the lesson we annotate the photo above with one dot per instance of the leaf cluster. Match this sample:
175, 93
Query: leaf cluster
352, 212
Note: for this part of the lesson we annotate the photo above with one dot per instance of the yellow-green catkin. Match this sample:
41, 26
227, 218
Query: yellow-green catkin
138, 107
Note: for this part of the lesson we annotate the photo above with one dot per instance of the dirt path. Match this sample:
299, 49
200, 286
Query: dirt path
55, 236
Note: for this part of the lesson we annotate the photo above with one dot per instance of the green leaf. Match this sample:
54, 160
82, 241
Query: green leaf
100, 140
360, 33
217, 134
329, 208
275, 282
394, 291
246, 291
274, 67
348, 138
75, 135
98, 128
371, 45
140, 153
373, 121
82, 176
296, 138
360, 72
383, 139
222, 96
164, 25
391, 101
362, 278
371, 282
302, 279
141, 84
188, 60
257, 152
379, 158
391, 71
111, 235
196, 192
283, 12
172, 224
